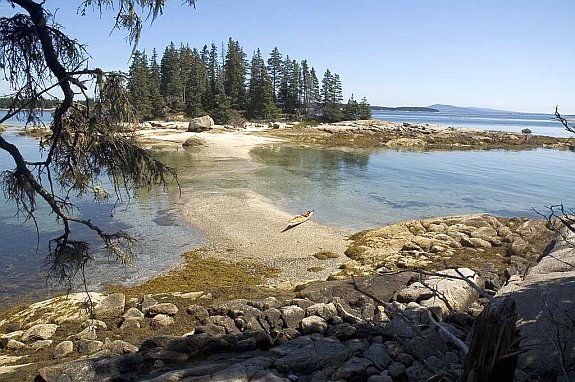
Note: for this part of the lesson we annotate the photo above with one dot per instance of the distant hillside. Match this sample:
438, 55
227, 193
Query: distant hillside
459, 109
405, 108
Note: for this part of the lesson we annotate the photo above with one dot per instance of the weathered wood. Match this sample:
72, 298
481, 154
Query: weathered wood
494, 347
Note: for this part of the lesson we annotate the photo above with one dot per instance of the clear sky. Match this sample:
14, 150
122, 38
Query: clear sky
511, 55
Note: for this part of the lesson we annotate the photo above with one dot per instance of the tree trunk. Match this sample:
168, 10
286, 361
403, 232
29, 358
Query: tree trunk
494, 348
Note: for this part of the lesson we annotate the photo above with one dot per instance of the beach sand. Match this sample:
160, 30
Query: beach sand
241, 225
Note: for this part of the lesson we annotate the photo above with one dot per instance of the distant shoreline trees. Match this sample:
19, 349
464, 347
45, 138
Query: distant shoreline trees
231, 88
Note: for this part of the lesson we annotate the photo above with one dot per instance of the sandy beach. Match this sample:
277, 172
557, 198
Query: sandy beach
241, 225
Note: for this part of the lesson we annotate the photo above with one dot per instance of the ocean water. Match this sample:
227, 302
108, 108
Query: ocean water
348, 188
539, 124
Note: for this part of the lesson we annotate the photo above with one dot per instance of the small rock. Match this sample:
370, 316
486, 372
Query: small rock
88, 334
98, 324
198, 313
119, 347
40, 345
15, 345
313, 324
165, 308
110, 307
39, 332
130, 323
89, 346
147, 302
396, 369
63, 349
133, 313
160, 321
292, 315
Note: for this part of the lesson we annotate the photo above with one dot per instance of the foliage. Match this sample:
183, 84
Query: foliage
86, 141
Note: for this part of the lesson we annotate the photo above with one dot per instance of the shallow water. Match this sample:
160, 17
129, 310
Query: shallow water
362, 189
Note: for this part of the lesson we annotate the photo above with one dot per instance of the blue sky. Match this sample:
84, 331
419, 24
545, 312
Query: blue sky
511, 55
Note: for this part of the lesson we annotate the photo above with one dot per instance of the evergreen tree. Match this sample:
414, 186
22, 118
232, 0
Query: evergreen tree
331, 97
294, 88
170, 79
196, 85
235, 67
351, 110
275, 71
261, 103
314, 100
185, 62
364, 109
139, 86
213, 78
306, 86
157, 101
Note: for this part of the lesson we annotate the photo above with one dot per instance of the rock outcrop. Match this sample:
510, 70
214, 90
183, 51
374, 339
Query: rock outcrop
508, 245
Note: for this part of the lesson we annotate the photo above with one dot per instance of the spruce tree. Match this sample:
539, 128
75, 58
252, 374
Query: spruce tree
274, 68
139, 86
261, 104
170, 79
157, 101
351, 110
196, 85
234, 69
364, 109
185, 62
331, 96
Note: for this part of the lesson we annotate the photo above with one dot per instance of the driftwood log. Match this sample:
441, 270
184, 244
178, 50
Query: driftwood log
494, 347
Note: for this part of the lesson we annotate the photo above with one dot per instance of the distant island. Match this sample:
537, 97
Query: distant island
405, 108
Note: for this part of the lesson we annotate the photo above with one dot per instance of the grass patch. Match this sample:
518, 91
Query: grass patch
324, 255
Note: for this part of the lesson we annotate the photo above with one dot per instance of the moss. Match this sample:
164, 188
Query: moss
324, 255
223, 279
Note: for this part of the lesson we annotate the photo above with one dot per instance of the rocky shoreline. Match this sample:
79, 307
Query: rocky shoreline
395, 326
376, 329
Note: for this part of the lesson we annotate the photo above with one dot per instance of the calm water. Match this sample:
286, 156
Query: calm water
539, 124
354, 189
153, 217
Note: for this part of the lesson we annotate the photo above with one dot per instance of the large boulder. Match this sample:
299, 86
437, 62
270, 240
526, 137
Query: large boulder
200, 124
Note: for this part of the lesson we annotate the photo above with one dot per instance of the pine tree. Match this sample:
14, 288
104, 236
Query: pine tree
235, 67
185, 62
261, 104
170, 79
314, 100
157, 101
196, 85
294, 86
275, 70
213, 79
364, 109
351, 111
139, 86
331, 97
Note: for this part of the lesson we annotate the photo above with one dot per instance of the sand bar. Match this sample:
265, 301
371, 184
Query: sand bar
241, 225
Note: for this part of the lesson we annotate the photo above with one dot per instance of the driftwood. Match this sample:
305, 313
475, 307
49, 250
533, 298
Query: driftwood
494, 348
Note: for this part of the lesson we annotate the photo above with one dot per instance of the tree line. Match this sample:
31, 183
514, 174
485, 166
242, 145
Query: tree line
231, 89
44, 103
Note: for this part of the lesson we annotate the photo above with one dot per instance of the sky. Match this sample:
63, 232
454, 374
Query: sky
509, 55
